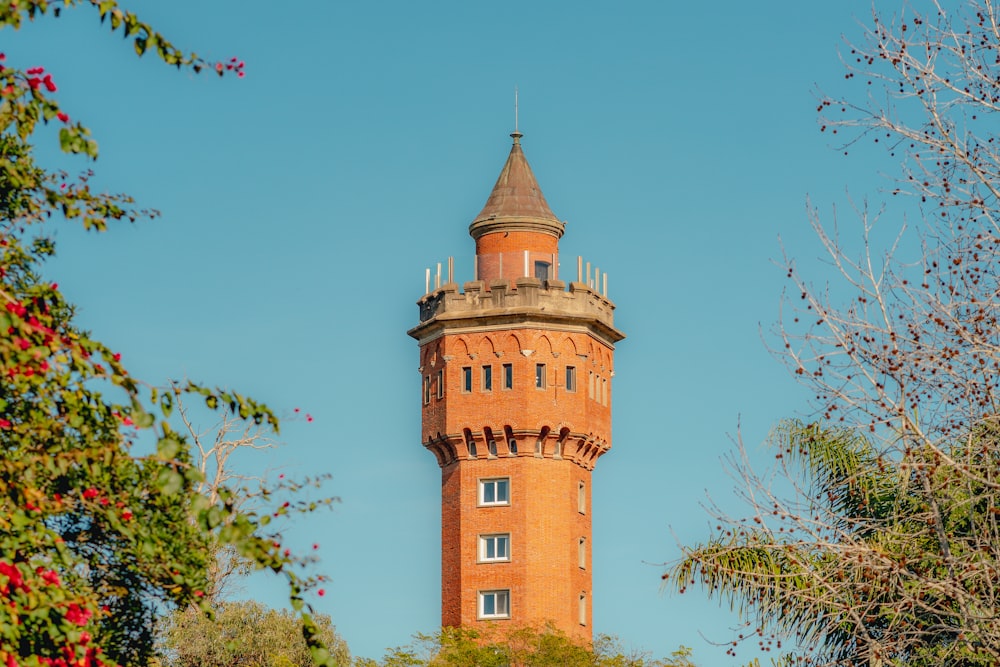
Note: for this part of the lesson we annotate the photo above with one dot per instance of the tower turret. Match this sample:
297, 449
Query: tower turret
516, 392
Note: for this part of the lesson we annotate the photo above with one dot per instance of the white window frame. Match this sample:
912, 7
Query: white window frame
501, 601
581, 498
499, 541
583, 608
482, 492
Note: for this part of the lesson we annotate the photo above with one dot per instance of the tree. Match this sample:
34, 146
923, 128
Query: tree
245, 634
527, 646
884, 550
95, 540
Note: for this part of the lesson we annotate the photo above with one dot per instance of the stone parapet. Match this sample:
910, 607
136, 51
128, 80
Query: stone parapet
529, 298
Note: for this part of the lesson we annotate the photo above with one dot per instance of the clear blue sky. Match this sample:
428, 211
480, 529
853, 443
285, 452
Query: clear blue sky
302, 204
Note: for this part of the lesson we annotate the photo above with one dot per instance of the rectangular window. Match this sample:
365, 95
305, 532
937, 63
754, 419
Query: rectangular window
494, 604
539, 376
494, 491
542, 270
494, 548
427, 389
583, 609
467, 379
590, 385
571, 378
604, 391
487, 378
581, 498
508, 376
582, 552
440, 384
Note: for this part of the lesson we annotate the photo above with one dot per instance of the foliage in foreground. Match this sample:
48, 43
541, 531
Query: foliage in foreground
882, 546
95, 539
246, 634
501, 645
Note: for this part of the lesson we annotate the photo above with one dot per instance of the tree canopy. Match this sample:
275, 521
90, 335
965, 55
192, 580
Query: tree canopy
877, 544
96, 535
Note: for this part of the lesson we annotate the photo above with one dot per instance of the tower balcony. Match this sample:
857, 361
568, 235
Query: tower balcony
502, 303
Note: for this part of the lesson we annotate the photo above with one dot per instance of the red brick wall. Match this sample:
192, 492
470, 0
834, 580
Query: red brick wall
543, 520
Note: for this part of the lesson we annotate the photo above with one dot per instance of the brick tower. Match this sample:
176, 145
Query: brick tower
516, 390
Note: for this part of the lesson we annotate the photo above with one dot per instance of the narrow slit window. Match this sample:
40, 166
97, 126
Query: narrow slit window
571, 378
508, 376
487, 378
440, 384
427, 389
539, 376
581, 498
467, 379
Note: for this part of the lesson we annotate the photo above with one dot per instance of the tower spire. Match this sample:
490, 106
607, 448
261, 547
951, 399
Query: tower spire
517, 134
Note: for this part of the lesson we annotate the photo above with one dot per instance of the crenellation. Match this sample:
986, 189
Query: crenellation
529, 295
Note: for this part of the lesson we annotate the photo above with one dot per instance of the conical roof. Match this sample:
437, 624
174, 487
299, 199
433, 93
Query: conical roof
516, 201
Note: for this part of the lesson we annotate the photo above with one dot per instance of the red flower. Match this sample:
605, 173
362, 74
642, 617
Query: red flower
77, 615
309, 418
63, 117
126, 515
321, 592
90, 493
5, 423
50, 577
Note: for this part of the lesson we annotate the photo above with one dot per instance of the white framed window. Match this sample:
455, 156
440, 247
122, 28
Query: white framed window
590, 385
583, 609
604, 391
440, 384
571, 378
581, 548
494, 604
487, 378
494, 548
495, 491
466, 379
539, 376
581, 498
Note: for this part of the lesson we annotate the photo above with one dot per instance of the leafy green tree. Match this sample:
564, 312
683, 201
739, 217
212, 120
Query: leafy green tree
870, 563
526, 646
95, 539
878, 543
244, 634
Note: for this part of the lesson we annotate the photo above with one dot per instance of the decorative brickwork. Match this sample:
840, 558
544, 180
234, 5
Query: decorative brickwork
516, 392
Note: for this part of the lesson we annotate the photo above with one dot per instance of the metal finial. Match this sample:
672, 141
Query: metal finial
516, 134
515, 108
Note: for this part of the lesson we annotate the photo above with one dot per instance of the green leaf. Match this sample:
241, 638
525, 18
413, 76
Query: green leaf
167, 448
169, 481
